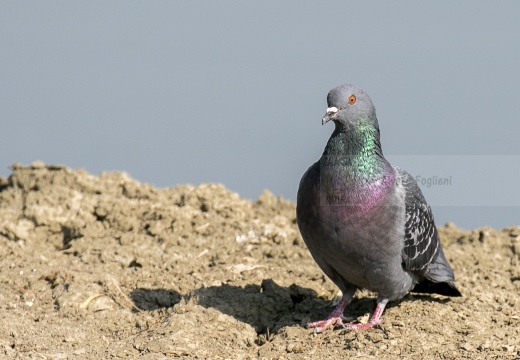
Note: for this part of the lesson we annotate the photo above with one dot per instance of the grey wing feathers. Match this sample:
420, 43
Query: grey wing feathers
422, 252
421, 243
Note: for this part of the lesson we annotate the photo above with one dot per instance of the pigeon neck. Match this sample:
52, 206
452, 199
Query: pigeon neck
358, 150
353, 169
361, 140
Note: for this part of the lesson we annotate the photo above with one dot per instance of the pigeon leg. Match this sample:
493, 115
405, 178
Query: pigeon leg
336, 317
374, 320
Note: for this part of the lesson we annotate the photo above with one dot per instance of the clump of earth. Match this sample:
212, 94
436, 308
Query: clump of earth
106, 267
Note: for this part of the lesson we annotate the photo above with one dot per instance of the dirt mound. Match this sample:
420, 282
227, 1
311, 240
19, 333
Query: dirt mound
99, 266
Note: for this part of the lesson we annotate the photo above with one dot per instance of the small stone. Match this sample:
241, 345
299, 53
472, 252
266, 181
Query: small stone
466, 346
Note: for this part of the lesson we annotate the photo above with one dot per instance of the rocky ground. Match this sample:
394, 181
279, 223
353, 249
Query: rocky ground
106, 267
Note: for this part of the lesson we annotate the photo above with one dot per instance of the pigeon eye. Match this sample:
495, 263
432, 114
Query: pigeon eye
352, 99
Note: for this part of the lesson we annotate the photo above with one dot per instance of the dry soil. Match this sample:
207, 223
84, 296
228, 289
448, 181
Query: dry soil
103, 266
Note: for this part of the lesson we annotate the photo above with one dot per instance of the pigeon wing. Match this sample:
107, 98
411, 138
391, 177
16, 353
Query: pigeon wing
421, 241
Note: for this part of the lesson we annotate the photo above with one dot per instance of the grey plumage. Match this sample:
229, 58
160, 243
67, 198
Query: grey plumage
366, 222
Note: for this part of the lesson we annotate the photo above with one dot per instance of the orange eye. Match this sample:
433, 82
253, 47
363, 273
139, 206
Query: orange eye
352, 99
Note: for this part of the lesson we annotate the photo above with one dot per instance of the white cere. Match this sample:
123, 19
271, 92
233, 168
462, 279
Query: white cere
332, 110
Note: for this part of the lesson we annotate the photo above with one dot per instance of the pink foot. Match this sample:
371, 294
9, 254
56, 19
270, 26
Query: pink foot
335, 318
323, 325
374, 321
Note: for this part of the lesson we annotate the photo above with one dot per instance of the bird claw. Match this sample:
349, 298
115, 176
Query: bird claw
373, 323
345, 323
323, 325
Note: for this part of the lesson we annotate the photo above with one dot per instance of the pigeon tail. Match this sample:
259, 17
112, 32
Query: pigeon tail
443, 288
439, 270
439, 278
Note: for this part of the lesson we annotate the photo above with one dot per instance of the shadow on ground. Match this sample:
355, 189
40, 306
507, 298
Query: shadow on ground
267, 307
154, 299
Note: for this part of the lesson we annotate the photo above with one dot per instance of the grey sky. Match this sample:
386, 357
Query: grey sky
233, 92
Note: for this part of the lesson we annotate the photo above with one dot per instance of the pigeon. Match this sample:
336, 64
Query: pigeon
365, 221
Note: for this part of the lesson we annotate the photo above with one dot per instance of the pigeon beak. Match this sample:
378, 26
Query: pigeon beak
331, 112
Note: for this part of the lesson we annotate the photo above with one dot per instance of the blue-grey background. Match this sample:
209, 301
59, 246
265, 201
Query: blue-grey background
233, 92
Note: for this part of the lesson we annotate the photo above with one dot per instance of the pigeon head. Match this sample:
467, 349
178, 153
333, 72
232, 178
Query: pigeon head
348, 106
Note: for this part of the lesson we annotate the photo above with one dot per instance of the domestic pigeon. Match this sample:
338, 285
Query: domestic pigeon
366, 222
